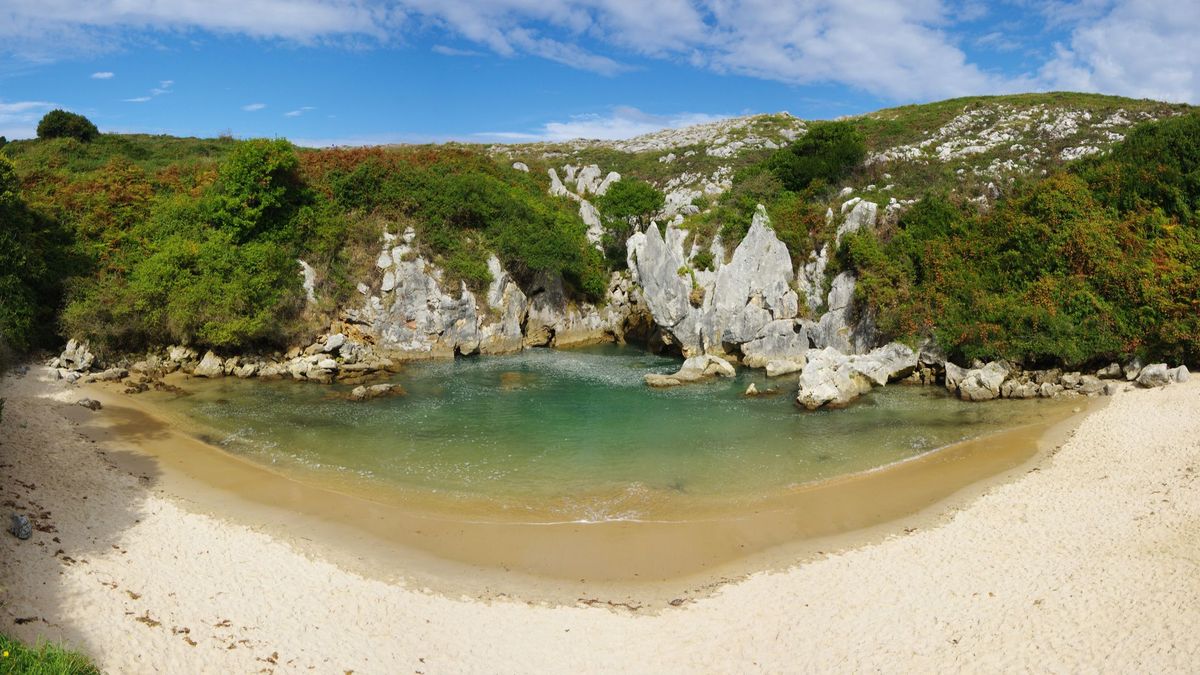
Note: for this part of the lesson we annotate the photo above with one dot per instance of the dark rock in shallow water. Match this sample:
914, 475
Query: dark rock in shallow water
20, 527
89, 403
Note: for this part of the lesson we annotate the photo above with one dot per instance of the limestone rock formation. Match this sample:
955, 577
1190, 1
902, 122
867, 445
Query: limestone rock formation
833, 379
75, 357
694, 369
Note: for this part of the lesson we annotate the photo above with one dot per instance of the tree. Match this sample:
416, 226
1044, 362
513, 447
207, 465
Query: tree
827, 152
62, 124
628, 206
631, 201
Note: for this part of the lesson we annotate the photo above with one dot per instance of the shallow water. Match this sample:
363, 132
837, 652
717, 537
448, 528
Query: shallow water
575, 435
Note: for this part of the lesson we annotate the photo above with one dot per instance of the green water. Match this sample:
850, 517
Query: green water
569, 435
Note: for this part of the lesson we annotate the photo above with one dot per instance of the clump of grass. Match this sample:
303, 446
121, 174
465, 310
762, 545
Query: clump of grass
45, 659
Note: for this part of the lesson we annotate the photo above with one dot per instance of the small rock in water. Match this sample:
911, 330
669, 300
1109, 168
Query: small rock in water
20, 528
89, 403
751, 390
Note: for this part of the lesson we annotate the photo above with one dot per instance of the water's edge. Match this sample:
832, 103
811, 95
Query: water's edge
647, 563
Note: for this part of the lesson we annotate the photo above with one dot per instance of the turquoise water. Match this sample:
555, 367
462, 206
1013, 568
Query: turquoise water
560, 435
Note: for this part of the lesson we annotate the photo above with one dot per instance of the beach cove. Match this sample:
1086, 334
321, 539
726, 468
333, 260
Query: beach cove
138, 552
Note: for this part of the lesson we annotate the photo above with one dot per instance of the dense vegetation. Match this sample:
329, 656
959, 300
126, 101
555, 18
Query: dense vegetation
46, 659
1097, 261
134, 241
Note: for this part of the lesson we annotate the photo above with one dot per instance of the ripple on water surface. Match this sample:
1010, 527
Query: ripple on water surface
575, 435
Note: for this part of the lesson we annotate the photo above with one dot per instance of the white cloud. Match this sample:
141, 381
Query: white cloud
1142, 48
899, 50
254, 107
453, 51
164, 87
18, 119
298, 111
103, 75
622, 122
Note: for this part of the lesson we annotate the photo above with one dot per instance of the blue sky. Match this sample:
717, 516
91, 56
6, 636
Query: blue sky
374, 71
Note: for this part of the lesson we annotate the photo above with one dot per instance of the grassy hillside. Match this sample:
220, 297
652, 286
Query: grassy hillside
135, 240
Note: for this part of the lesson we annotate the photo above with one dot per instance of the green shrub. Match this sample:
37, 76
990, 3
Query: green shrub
62, 124
829, 151
33, 261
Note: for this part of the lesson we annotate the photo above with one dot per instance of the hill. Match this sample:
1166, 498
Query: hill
135, 241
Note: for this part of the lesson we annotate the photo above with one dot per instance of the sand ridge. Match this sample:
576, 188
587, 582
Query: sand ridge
1088, 562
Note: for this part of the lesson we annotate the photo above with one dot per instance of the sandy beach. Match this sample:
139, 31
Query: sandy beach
1087, 561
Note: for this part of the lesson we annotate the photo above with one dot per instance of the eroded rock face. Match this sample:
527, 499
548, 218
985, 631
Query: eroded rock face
413, 316
841, 326
780, 340
752, 290
748, 305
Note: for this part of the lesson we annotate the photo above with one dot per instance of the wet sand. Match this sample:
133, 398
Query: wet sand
1083, 559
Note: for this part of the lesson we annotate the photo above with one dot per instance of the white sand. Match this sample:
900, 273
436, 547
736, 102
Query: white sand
1089, 563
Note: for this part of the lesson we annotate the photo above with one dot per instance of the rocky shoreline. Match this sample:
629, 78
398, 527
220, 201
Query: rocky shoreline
752, 308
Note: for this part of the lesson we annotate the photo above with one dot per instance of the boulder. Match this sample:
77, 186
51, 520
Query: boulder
180, 355
1110, 372
954, 375
1017, 389
1154, 375
1070, 380
694, 369
978, 384
1179, 374
1090, 384
210, 366
89, 403
1132, 369
110, 375
334, 342
248, 370
521, 166
783, 367
1052, 376
751, 390
830, 380
1049, 390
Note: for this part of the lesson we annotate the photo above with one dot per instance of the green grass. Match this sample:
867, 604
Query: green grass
150, 153
46, 659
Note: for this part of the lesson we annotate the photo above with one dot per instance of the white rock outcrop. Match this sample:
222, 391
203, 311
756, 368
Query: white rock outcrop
694, 369
833, 379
